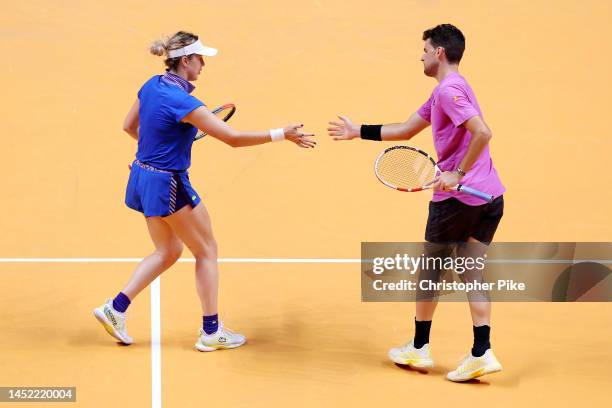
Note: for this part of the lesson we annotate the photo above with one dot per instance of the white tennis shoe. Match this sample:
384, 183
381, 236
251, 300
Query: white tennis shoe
223, 338
414, 357
113, 321
473, 367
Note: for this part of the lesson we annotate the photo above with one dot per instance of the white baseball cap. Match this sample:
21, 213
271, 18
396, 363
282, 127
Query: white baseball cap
193, 48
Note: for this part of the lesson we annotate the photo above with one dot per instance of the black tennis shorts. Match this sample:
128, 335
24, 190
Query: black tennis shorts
451, 220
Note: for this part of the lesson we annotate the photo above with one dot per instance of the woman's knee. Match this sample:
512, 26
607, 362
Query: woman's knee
205, 251
171, 253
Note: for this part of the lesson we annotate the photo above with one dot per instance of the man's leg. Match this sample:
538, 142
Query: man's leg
481, 359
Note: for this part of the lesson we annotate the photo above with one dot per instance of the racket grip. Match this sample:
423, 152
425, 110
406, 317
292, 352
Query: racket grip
465, 189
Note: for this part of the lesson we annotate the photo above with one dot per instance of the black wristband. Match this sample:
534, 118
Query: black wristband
371, 132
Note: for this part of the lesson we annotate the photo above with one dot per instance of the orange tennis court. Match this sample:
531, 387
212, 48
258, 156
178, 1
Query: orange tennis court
289, 221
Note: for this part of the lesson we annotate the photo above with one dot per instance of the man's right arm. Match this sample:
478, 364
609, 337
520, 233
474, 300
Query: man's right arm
404, 131
347, 130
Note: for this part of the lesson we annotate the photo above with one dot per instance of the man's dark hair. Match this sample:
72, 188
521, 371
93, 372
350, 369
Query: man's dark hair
448, 37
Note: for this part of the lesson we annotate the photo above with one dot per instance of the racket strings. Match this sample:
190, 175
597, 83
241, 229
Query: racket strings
405, 168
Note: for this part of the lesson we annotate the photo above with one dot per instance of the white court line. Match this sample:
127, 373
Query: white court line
156, 388
188, 260
282, 260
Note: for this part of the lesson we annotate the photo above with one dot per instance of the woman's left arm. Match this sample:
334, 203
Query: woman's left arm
208, 122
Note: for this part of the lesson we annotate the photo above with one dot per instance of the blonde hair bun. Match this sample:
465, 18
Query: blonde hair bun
158, 48
177, 40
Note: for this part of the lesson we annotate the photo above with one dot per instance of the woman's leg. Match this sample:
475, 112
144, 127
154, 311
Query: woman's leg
194, 228
168, 248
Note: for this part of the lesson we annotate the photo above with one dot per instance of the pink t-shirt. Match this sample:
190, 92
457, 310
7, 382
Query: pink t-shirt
452, 103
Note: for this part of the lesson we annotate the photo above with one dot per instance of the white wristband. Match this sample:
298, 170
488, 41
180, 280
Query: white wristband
277, 135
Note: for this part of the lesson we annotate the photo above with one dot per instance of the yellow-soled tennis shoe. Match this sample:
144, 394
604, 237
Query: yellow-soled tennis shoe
113, 321
473, 367
414, 357
222, 339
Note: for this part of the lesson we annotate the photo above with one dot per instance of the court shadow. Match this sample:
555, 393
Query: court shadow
186, 341
417, 370
475, 382
512, 376
99, 338
413, 369
442, 371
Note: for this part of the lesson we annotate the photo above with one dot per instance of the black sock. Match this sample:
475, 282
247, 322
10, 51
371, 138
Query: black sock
421, 332
481, 340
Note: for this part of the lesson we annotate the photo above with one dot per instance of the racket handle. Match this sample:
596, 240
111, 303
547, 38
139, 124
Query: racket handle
465, 189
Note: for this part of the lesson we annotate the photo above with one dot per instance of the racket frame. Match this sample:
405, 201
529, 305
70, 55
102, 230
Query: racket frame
231, 112
459, 187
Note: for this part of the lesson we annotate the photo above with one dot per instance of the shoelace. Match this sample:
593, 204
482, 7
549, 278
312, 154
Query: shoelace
228, 331
119, 317
225, 330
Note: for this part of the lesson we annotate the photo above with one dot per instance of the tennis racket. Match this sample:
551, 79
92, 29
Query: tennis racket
409, 169
225, 112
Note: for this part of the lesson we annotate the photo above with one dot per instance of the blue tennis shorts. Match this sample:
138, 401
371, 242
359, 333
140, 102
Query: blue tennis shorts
155, 192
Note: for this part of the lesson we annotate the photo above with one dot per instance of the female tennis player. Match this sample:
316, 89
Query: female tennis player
164, 120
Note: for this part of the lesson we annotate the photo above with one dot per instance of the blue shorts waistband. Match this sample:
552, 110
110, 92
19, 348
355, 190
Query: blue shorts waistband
152, 168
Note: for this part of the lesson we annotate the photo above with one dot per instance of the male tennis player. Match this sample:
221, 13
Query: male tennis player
461, 138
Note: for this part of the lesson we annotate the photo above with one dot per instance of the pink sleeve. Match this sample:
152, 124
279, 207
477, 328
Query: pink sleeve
425, 110
456, 105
